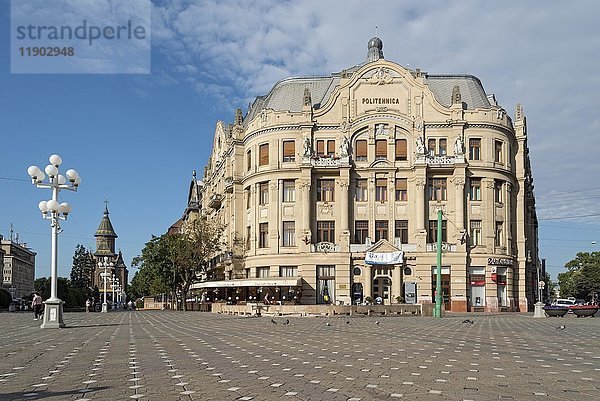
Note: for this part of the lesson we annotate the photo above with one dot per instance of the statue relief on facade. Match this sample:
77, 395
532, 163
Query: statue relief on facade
306, 148
380, 130
344, 151
420, 146
458, 147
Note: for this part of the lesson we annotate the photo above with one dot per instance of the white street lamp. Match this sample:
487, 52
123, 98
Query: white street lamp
112, 286
54, 211
105, 264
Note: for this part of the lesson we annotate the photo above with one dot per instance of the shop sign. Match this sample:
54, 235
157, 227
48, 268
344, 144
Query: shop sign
500, 261
477, 279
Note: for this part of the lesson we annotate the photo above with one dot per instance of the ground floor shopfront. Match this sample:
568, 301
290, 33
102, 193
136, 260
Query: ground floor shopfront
381, 274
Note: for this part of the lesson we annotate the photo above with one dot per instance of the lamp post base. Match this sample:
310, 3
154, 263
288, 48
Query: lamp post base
53, 314
105, 308
539, 311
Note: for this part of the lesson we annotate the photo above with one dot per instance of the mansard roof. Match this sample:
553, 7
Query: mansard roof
471, 90
288, 94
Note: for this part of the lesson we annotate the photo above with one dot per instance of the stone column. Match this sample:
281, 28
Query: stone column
459, 199
421, 184
368, 281
343, 196
396, 282
305, 199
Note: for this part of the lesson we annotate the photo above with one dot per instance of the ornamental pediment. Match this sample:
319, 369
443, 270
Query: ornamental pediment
383, 246
380, 89
384, 164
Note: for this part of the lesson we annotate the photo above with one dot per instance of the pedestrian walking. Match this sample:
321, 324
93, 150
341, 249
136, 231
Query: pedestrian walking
36, 304
88, 303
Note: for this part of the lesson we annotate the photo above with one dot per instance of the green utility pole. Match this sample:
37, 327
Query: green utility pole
437, 312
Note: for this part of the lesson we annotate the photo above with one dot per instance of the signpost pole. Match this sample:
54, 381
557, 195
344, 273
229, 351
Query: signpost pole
437, 312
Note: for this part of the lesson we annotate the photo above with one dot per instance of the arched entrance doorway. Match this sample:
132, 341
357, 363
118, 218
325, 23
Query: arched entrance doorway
382, 283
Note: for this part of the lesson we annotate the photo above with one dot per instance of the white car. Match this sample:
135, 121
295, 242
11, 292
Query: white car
564, 302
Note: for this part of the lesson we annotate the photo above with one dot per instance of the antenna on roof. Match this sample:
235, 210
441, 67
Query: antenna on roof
376, 30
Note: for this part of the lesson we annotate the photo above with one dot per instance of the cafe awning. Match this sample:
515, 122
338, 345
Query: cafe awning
251, 282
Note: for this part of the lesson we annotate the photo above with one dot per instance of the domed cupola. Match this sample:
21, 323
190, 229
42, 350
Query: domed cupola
375, 47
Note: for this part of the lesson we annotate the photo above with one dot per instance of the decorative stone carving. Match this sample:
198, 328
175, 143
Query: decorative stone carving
519, 112
328, 162
325, 247
456, 96
306, 237
344, 184
274, 185
344, 126
421, 183
459, 181
381, 109
307, 97
381, 77
419, 125
326, 209
304, 184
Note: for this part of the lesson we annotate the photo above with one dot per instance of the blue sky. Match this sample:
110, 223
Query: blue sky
135, 139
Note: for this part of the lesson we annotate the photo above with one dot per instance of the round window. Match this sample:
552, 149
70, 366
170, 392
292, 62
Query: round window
407, 271
357, 271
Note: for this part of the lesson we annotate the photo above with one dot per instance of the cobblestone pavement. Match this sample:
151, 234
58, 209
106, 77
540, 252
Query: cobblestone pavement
156, 355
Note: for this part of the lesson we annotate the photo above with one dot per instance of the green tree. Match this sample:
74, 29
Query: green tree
191, 252
172, 262
43, 287
582, 280
153, 275
82, 270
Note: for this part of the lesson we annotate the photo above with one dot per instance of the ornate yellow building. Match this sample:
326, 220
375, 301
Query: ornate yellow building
329, 189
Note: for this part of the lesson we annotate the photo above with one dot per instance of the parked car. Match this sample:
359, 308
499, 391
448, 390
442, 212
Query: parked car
567, 302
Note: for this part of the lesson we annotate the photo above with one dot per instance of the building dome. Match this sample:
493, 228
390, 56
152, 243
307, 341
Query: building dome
375, 51
375, 42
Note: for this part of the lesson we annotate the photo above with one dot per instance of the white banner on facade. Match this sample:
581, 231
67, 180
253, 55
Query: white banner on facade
388, 258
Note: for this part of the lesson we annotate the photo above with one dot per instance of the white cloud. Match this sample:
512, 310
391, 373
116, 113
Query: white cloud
538, 53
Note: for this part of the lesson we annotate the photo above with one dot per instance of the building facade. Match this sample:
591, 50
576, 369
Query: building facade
329, 189
105, 247
18, 272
